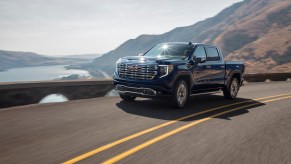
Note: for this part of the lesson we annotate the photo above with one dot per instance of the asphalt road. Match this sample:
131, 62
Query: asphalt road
256, 131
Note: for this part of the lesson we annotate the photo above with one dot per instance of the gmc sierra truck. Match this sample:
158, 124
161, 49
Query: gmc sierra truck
177, 70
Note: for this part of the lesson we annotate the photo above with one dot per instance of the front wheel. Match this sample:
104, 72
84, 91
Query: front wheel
181, 94
127, 97
230, 92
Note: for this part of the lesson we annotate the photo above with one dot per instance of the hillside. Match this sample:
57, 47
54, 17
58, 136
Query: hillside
257, 32
13, 59
83, 56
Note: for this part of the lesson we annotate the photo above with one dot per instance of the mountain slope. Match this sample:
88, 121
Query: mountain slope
83, 56
13, 59
257, 32
268, 31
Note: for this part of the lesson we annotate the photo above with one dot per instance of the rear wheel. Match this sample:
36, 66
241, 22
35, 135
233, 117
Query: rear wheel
181, 94
127, 97
230, 92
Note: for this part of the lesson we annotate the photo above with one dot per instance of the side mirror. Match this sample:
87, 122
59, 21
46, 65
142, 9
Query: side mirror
140, 54
200, 59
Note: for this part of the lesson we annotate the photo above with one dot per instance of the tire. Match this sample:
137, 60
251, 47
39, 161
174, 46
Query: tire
181, 94
230, 92
127, 97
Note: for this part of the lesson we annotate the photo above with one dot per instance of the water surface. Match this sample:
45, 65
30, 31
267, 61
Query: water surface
38, 73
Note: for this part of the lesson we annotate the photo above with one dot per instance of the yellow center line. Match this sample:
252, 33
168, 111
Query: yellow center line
168, 134
115, 143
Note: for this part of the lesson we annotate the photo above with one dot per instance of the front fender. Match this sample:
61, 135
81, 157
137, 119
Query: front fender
182, 73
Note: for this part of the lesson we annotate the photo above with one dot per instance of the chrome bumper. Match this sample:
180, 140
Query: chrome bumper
135, 90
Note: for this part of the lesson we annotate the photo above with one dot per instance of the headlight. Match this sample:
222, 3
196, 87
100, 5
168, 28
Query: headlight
117, 65
165, 70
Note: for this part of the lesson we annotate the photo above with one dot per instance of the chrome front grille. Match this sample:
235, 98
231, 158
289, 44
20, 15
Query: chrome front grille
132, 71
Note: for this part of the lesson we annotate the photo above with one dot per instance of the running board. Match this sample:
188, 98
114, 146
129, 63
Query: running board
206, 93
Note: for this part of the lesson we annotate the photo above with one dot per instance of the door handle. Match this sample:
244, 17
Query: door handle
208, 66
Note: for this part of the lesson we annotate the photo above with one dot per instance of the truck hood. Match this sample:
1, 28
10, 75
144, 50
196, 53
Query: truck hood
150, 60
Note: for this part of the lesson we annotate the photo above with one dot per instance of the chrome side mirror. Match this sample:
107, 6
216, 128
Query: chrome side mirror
203, 60
200, 59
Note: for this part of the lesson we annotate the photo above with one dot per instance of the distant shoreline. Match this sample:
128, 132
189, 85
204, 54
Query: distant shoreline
95, 73
47, 72
6, 69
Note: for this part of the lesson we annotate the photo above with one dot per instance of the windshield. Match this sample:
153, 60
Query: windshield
169, 50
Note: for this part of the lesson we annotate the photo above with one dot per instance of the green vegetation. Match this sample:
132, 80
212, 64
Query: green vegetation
236, 40
280, 59
280, 17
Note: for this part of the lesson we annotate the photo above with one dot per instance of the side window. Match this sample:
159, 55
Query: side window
200, 52
212, 54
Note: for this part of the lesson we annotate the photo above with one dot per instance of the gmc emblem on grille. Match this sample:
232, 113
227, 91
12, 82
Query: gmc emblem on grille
132, 68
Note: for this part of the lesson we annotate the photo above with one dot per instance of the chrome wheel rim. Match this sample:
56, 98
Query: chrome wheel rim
181, 94
234, 88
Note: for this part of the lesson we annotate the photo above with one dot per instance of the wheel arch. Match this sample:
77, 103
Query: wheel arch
186, 78
237, 74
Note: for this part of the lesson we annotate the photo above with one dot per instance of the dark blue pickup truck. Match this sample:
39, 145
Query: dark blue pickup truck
177, 70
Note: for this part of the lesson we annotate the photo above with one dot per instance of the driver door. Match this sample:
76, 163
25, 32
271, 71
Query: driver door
200, 71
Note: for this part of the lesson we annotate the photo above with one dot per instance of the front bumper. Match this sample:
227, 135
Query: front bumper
138, 91
143, 88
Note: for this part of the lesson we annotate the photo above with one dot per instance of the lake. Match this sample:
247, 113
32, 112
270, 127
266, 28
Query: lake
38, 73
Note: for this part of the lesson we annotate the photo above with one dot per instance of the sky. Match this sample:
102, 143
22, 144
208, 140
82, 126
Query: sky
68, 27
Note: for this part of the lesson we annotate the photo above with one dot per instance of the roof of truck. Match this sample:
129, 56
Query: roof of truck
189, 43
